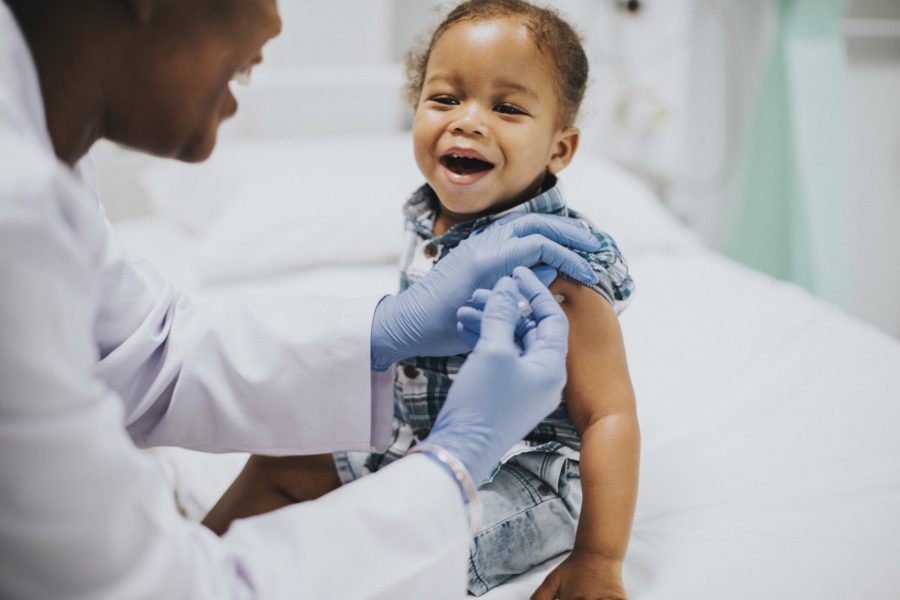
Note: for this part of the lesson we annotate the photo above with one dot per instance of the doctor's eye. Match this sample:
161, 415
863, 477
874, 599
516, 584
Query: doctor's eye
509, 109
242, 75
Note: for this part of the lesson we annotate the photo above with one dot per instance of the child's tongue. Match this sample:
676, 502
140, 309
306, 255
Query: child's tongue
463, 165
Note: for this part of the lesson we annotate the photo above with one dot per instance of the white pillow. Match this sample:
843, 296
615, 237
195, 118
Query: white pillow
191, 196
620, 204
302, 205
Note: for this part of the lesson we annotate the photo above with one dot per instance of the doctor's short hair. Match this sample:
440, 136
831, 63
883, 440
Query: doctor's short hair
552, 35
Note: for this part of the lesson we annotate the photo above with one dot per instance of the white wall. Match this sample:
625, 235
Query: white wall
873, 60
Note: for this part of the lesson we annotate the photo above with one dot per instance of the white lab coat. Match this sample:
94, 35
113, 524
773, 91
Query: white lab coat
99, 354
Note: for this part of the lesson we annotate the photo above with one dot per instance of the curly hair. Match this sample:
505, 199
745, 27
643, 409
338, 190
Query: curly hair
552, 35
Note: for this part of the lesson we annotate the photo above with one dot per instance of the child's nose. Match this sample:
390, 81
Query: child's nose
469, 120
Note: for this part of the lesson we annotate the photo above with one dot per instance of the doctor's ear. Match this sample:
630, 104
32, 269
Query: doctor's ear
142, 9
565, 144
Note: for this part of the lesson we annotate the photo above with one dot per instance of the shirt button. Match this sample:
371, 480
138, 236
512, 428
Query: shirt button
421, 434
430, 250
410, 372
545, 490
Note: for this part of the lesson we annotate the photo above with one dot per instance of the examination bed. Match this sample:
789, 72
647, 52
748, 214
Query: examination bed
770, 420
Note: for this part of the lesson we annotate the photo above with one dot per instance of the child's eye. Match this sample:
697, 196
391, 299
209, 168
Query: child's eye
509, 109
448, 100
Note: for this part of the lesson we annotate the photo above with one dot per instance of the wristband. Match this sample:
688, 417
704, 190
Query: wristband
460, 476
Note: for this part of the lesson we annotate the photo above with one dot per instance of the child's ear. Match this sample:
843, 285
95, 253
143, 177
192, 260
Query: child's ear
565, 144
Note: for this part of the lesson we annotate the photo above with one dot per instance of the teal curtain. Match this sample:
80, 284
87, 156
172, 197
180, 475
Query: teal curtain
791, 212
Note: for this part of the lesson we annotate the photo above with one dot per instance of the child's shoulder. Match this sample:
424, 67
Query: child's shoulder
608, 262
609, 249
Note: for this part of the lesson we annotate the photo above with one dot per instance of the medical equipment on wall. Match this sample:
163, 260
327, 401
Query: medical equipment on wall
671, 82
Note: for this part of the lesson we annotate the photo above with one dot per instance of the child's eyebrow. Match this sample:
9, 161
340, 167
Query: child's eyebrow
502, 84
506, 84
441, 77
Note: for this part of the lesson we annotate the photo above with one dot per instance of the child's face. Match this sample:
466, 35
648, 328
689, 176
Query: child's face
487, 124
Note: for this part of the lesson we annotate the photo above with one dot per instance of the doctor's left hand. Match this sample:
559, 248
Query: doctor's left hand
422, 321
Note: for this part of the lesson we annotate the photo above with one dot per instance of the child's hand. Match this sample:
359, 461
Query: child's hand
583, 575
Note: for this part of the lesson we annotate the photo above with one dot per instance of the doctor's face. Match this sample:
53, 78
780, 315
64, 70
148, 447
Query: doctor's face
177, 93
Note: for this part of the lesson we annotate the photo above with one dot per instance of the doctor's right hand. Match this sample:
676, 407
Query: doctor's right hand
421, 321
504, 389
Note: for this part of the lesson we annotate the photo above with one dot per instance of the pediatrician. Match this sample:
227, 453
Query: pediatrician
99, 355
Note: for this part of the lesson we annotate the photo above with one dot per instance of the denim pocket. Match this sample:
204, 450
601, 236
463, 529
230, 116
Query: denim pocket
529, 514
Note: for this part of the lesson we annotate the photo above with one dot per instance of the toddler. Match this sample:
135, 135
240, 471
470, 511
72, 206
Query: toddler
495, 94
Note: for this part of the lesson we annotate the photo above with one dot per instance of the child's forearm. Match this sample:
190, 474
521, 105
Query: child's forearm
269, 482
610, 454
601, 403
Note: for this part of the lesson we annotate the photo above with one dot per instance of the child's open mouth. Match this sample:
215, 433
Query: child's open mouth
465, 164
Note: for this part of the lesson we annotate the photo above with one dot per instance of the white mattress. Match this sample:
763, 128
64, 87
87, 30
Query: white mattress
771, 460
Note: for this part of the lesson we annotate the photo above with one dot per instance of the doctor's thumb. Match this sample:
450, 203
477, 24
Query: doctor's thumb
498, 322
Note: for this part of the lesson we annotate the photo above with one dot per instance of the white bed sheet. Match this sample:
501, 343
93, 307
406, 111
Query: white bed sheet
770, 462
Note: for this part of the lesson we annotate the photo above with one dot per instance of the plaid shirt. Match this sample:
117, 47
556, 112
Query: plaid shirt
421, 384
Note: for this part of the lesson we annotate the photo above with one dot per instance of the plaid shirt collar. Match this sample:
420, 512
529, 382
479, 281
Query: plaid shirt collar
421, 209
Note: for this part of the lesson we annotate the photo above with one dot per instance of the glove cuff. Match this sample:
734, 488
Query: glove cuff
460, 475
382, 350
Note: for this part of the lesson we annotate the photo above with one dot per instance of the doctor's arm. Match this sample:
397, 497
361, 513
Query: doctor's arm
294, 375
87, 515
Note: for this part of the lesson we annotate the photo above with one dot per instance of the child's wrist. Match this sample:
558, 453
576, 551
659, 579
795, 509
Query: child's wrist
599, 554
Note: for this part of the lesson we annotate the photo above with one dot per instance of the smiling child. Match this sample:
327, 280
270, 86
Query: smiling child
496, 93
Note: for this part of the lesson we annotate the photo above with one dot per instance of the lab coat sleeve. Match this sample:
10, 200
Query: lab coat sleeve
365, 540
86, 515
275, 376
281, 375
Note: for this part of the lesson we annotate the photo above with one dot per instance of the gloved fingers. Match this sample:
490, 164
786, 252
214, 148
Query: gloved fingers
533, 290
528, 339
546, 274
536, 249
469, 336
498, 322
562, 230
470, 317
469, 324
552, 325
479, 298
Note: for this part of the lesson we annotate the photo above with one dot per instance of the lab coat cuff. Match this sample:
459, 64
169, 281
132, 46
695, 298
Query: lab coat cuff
359, 393
454, 467
382, 409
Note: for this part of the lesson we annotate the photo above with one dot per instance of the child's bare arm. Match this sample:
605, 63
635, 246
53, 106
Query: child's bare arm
268, 482
601, 403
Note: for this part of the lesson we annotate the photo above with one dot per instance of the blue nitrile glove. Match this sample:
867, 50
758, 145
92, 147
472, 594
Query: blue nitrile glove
469, 317
421, 321
503, 389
